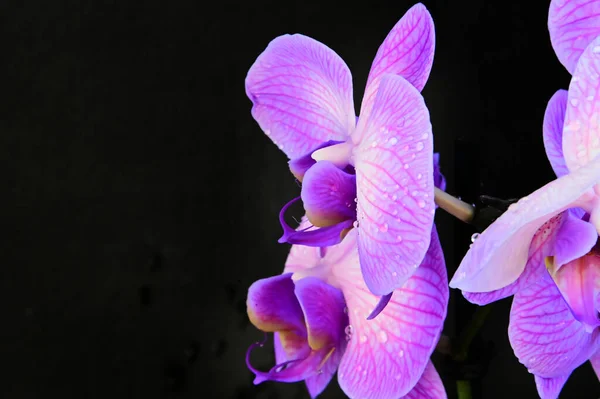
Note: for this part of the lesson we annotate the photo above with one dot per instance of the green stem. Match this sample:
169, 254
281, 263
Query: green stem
463, 388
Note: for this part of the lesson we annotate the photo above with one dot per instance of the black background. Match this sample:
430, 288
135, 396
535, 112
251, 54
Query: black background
142, 198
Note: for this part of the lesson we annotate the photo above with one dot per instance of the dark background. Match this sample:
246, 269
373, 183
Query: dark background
142, 197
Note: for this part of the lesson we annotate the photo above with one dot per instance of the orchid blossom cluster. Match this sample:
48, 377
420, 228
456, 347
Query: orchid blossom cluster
364, 291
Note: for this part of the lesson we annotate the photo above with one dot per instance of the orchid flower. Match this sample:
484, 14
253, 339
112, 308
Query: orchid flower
545, 250
317, 309
374, 172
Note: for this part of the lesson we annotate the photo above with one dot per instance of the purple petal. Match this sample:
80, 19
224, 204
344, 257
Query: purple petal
554, 120
549, 388
438, 178
579, 283
320, 237
407, 51
328, 194
575, 239
498, 256
581, 136
301, 92
430, 386
542, 245
300, 165
323, 307
383, 301
272, 305
386, 356
544, 334
573, 24
595, 361
394, 177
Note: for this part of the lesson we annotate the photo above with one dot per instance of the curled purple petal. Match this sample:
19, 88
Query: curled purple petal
554, 120
574, 239
383, 301
300, 165
549, 388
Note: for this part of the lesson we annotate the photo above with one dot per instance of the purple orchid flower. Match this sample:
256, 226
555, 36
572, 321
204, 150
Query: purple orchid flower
545, 250
374, 171
317, 310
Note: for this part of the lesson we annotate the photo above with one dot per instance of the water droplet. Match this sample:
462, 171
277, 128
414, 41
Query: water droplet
374, 144
355, 224
574, 102
474, 237
397, 377
401, 353
348, 330
425, 135
394, 197
363, 339
395, 212
405, 166
421, 204
590, 98
394, 274
596, 49
383, 228
393, 141
419, 146
364, 372
268, 132
399, 238
414, 193
383, 337
356, 200
419, 176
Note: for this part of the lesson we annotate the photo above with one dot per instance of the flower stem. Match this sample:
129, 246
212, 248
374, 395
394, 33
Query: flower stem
463, 388
457, 208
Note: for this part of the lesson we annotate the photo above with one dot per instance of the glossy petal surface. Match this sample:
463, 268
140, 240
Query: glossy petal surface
573, 24
301, 92
406, 51
554, 120
394, 177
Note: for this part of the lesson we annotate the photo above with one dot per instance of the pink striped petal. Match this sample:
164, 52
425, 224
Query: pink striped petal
579, 284
406, 51
554, 120
573, 24
498, 257
542, 245
549, 388
394, 177
301, 92
386, 356
581, 135
543, 332
430, 386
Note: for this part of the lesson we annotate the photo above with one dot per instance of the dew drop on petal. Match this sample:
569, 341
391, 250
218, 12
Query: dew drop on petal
421, 204
419, 146
596, 49
383, 337
393, 141
401, 353
574, 102
474, 237
363, 339
399, 238
383, 228
348, 331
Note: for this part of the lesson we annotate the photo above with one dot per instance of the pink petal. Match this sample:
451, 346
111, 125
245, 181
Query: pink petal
575, 239
386, 356
595, 361
549, 388
328, 194
581, 136
542, 245
406, 51
394, 177
554, 120
573, 24
430, 386
302, 94
498, 257
544, 334
579, 284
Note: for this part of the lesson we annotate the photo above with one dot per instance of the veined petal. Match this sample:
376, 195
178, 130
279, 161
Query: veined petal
430, 385
301, 92
386, 356
542, 245
498, 256
543, 332
328, 194
273, 306
394, 177
573, 24
406, 51
579, 283
549, 388
554, 120
575, 239
581, 135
